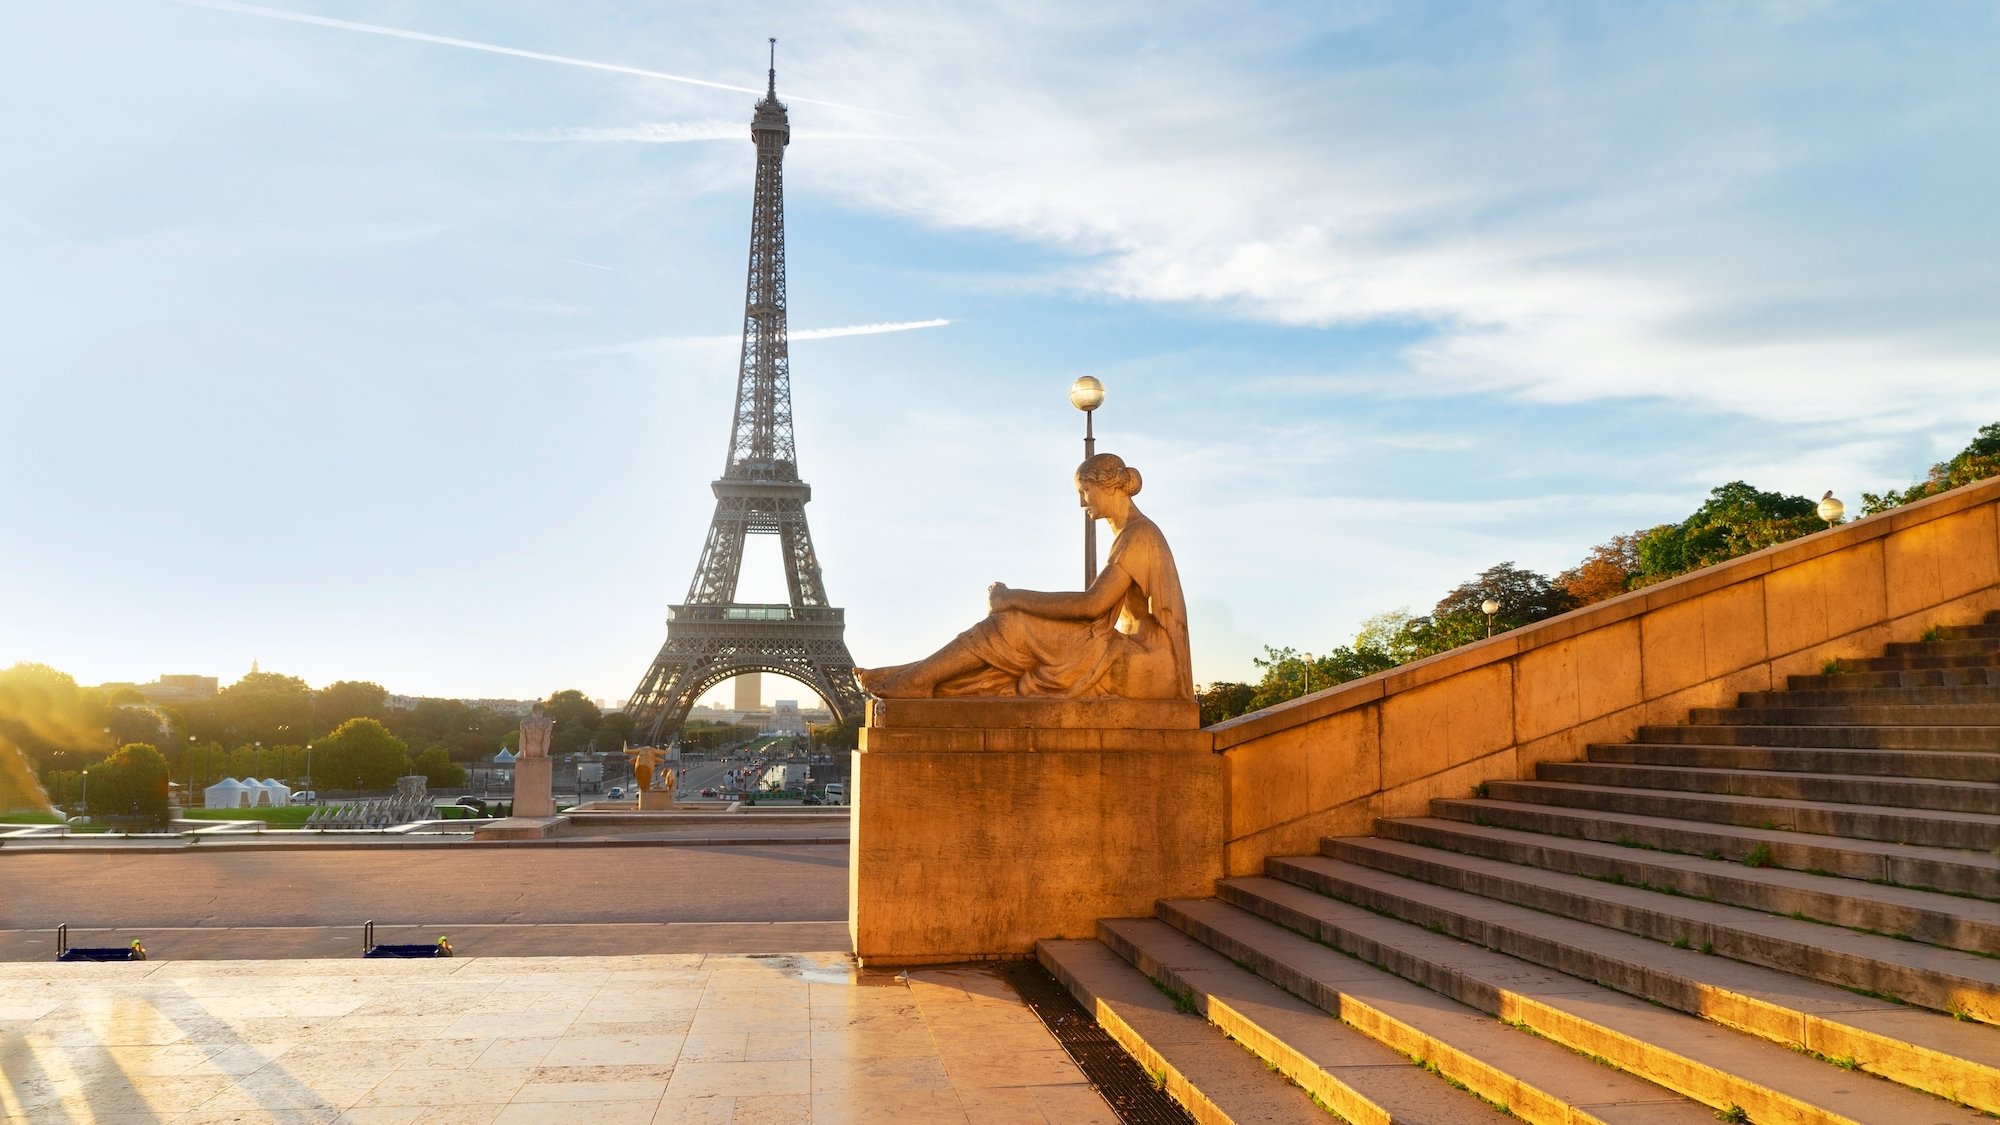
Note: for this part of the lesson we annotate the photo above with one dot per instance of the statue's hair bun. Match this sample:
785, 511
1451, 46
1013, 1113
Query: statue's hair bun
1111, 469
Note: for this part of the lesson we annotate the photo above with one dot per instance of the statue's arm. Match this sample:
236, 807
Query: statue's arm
1067, 605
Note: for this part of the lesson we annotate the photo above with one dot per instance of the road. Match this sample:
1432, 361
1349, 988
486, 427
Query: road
446, 886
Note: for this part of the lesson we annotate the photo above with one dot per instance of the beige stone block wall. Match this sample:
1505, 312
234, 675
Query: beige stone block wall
1330, 763
961, 854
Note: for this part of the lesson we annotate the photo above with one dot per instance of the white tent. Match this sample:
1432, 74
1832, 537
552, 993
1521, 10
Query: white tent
274, 792
228, 793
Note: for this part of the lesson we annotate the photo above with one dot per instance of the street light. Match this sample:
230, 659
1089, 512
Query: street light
86, 792
1830, 508
1309, 673
1087, 394
1489, 607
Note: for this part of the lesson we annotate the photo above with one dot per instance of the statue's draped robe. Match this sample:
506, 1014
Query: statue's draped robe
1138, 649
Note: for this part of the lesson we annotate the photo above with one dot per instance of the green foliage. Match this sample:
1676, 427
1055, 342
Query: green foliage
132, 782
1735, 520
437, 767
1760, 856
1977, 461
264, 707
362, 754
342, 700
1224, 700
1524, 596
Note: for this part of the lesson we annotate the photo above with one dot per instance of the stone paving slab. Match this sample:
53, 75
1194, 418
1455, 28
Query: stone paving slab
655, 1038
228, 943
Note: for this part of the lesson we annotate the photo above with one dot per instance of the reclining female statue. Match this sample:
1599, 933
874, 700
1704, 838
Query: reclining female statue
1125, 637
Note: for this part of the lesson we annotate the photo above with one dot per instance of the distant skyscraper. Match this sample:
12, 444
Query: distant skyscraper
750, 691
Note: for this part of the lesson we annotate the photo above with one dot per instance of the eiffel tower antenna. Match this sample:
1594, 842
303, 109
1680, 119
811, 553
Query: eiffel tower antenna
712, 637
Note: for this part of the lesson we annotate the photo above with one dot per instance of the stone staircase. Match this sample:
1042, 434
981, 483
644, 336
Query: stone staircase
1783, 912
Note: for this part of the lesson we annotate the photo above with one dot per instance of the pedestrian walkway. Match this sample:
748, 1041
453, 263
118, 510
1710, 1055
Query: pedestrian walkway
666, 1038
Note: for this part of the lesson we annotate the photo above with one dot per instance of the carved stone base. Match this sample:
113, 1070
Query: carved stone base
534, 790
656, 800
983, 826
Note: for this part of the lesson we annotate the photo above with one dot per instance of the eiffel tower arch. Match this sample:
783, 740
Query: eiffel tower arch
712, 637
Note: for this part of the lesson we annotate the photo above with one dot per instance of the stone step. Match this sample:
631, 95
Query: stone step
1926, 916
1872, 697
1956, 646
1940, 764
1218, 1082
1905, 737
1712, 1064
1852, 680
1926, 827
1950, 870
1915, 662
1925, 1050
1374, 873
1359, 1077
1910, 793
1960, 632
1879, 715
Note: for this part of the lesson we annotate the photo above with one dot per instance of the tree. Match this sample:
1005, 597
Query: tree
342, 700
1606, 572
132, 782
576, 719
261, 707
1524, 596
438, 769
1735, 520
1977, 461
363, 751
43, 712
1224, 700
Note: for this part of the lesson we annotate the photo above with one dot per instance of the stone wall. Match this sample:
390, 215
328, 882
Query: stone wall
1331, 762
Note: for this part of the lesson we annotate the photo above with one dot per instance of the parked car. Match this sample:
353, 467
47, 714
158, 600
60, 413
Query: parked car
305, 797
812, 799
617, 792
475, 804
708, 792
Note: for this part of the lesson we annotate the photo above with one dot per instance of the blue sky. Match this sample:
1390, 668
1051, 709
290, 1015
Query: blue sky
371, 356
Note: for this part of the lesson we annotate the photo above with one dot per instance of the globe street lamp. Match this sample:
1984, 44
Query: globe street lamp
1489, 607
1087, 394
1830, 508
1309, 673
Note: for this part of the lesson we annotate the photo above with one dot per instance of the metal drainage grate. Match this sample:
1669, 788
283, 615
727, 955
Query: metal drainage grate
1124, 1084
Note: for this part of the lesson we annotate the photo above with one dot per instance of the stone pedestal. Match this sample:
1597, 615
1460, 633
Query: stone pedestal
981, 826
656, 800
534, 787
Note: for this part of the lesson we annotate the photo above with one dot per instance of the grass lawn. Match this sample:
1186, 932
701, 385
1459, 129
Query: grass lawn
30, 818
292, 816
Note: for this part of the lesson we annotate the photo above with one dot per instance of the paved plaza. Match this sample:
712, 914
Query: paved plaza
688, 1038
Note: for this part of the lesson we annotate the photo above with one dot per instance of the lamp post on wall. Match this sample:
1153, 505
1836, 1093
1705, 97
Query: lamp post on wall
1489, 607
1087, 394
1309, 673
1830, 508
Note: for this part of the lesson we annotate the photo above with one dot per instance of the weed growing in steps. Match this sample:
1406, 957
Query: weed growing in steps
1760, 856
1735, 1113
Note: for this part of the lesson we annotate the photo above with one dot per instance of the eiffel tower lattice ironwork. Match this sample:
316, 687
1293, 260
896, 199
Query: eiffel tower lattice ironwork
713, 637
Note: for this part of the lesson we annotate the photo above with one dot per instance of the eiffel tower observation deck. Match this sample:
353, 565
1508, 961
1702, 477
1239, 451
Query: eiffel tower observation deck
713, 637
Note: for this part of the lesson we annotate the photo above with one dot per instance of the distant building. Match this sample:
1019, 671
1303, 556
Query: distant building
786, 717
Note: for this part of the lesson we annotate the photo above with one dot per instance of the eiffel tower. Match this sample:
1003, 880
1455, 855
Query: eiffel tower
713, 637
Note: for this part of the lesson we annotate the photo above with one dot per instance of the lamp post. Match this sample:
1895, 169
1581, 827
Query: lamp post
86, 792
1087, 394
1489, 607
1309, 673
1830, 508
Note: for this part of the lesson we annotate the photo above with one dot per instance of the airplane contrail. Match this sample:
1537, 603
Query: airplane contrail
796, 334
471, 45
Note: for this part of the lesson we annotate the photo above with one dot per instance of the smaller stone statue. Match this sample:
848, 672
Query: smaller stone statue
535, 732
645, 759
